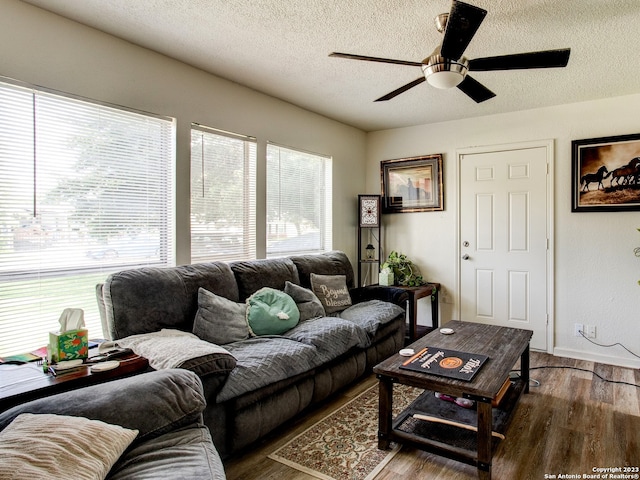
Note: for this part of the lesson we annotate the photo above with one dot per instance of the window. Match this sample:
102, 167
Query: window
298, 202
223, 199
85, 190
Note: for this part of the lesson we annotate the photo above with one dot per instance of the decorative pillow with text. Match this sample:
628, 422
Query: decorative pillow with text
332, 291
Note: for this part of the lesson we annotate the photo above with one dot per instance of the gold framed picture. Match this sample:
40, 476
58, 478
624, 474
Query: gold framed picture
412, 184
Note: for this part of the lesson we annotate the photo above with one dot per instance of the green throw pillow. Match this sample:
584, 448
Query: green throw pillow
332, 291
271, 312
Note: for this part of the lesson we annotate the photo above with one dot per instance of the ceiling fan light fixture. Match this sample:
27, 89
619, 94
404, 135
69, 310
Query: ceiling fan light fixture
444, 79
443, 73
446, 67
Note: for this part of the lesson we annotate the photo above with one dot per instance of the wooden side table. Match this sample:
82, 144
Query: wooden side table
22, 383
415, 294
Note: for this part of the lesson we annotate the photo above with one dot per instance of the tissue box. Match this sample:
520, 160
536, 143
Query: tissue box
68, 345
385, 278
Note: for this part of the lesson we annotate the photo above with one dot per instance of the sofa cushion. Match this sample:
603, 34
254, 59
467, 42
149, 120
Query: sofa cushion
308, 303
265, 360
331, 336
252, 275
332, 291
144, 300
371, 315
170, 399
219, 320
271, 312
183, 454
329, 263
73, 447
176, 349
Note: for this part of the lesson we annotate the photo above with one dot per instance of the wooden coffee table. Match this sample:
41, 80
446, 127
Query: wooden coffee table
465, 435
22, 383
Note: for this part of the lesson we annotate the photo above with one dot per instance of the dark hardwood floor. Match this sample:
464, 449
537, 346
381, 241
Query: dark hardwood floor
569, 424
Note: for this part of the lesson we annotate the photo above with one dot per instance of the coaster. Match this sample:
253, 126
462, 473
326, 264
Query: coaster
407, 352
446, 331
104, 366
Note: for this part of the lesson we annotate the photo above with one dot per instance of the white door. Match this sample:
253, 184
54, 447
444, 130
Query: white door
505, 213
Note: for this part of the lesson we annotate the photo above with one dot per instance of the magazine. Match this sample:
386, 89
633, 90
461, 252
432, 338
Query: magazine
446, 363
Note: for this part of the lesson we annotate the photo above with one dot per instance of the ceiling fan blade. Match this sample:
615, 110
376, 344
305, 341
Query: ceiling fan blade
402, 89
462, 24
374, 59
518, 61
474, 89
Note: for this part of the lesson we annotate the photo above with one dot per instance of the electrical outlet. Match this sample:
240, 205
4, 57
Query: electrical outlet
590, 331
577, 328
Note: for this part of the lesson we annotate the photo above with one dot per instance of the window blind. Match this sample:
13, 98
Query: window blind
298, 202
85, 190
223, 196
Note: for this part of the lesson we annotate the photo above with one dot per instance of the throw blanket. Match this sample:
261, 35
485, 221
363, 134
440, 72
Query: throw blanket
172, 349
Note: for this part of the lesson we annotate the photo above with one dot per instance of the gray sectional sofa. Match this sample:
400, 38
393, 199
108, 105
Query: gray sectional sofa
253, 383
165, 407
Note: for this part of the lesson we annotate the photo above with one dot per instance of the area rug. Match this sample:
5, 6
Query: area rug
344, 444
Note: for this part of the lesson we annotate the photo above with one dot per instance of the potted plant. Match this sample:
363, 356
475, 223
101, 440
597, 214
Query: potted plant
404, 272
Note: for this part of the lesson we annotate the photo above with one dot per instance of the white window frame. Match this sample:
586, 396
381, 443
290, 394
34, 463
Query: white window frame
213, 238
34, 294
284, 236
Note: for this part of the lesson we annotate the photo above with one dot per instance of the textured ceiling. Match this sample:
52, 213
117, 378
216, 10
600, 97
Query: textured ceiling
281, 47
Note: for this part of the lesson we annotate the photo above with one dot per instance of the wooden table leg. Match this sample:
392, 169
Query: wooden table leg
524, 368
485, 420
385, 403
413, 319
434, 308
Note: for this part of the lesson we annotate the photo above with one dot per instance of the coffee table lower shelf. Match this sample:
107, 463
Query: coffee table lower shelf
451, 430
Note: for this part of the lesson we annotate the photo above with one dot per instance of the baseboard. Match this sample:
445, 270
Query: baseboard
596, 357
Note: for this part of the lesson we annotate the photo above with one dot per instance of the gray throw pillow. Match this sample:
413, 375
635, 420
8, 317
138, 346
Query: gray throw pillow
332, 291
308, 304
219, 320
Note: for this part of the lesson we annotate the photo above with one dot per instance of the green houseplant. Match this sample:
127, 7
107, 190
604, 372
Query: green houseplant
405, 272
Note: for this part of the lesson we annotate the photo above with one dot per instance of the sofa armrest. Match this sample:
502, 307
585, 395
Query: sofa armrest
176, 349
153, 403
394, 295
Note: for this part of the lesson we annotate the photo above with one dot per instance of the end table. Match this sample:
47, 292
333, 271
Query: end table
416, 293
22, 383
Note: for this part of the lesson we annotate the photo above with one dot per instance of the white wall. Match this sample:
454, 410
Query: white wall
596, 272
44, 49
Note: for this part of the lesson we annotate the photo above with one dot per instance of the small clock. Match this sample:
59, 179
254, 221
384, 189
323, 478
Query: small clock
369, 210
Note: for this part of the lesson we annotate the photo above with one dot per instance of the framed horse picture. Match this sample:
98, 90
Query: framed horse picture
606, 174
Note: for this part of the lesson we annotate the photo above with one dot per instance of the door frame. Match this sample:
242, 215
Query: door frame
549, 144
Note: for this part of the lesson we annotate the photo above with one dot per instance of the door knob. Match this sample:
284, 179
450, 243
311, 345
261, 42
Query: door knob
465, 257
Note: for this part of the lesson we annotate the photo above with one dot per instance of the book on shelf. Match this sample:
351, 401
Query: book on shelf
20, 358
501, 393
446, 363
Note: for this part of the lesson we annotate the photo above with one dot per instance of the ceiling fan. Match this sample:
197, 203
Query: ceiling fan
447, 68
